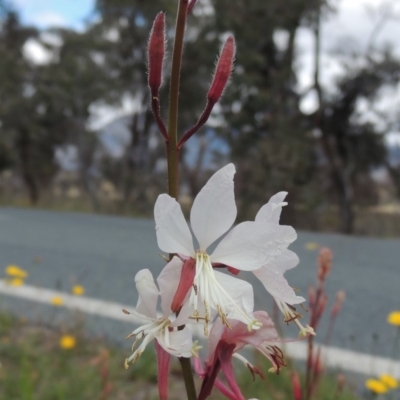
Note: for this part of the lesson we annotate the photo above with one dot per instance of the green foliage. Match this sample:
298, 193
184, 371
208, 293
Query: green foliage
34, 366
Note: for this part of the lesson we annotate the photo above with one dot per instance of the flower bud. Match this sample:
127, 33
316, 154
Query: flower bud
311, 296
340, 297
223, 71
185, 284
156, 52
297, 394
321, 308
341, 382
324, 263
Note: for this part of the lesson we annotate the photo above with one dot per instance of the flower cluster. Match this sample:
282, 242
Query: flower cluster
194, 290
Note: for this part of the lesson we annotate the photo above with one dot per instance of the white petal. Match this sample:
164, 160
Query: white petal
251, 245
148, 293
168, 282
271, 212
275, 283
173, 234
214, 209
241, 292
177, 343
286, 260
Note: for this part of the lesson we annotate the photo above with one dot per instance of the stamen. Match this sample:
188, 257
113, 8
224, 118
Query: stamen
213, 294
195, 348
223, 317
290, 314
134, 343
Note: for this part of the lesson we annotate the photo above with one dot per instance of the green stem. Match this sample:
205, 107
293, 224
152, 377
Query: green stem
173, 151
188, 378
172, 148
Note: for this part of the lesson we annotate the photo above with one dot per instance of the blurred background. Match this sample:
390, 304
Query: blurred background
313, 108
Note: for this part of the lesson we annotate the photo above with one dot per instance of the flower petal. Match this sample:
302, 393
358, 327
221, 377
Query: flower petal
242, 295
266, 335
173, 234
225, 357
214, 209
286, 260
276, 284
168, 281
177, 343
271, 212
251, 245
148, 293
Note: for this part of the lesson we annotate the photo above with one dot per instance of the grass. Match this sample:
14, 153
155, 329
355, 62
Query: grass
35, 367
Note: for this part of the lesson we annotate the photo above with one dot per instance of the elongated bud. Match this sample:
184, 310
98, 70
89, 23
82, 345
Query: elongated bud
324, 263
156, 52
321, 307
163, 361
185, 284
318, 367
297, 394
311, 297
340, 297
223, 71
341, 382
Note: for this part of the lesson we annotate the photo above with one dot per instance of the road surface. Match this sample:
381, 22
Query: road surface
103, 254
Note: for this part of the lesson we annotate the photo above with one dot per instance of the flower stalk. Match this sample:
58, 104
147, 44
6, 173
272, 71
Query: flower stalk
172, 148
173, 151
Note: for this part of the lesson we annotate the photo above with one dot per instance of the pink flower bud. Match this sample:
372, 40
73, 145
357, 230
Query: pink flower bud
156, 52
340, 297
324, 263
341, 382
223, 71
297, 395
311, 296
321, 308
185, 284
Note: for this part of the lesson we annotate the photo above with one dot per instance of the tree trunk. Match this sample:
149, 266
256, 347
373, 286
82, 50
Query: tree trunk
24, 150
340, 179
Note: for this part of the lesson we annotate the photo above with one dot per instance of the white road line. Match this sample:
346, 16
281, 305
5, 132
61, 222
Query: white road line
332, 356
88, 305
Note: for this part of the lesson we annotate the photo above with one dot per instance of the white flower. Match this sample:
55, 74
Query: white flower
271, 274
248, 246
164, 328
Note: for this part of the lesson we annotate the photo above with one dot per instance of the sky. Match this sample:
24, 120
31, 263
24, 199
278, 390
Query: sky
349, 28
47, 13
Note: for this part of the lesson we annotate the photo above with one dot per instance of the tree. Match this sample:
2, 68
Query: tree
17, 107
351, 147
268, 135
128, 24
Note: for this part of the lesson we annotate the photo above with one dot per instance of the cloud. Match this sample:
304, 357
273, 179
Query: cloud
36, 53
48, 19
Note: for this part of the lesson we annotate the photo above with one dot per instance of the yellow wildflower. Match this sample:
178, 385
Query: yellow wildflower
57, 301
14, 282
389, 381
311, 246
67, 342
78, 290
16, 272
376, 386
394, 318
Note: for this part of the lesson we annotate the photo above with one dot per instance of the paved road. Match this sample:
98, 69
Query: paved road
103, 253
